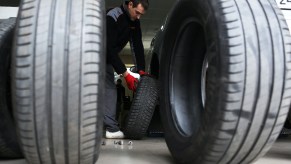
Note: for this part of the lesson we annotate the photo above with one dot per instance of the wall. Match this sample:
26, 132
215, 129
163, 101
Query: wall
6, 12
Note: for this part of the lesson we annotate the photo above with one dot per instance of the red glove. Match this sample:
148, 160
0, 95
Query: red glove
131, 82
142, 73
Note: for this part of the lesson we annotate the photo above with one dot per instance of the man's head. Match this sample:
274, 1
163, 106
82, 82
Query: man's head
136, 8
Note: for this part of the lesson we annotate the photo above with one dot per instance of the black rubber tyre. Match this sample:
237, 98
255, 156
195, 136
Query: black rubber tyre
58, 70
225, 79
142, 108
288, 121
9, 147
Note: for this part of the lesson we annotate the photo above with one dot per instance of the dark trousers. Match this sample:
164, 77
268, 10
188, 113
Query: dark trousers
110, 101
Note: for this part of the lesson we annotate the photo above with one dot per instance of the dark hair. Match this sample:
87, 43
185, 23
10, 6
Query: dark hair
145, 3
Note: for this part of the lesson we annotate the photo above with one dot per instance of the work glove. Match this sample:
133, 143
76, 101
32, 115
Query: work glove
142, 73
131, 82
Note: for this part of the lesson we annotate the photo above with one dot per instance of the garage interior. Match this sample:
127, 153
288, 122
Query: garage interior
153, 149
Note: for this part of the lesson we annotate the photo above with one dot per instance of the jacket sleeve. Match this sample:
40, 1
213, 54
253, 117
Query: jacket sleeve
138, 47
112, 50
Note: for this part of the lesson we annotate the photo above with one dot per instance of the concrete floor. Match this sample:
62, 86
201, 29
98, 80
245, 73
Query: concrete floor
154, 150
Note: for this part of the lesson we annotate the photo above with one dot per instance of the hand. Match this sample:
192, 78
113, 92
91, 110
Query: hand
142, 73
131, 82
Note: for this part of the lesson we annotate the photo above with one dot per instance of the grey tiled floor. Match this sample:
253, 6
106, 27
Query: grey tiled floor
154, 150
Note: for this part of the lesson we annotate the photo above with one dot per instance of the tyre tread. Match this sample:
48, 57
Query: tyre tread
142, 108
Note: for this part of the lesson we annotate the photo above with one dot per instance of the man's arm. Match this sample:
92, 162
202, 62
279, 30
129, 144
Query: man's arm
112, 52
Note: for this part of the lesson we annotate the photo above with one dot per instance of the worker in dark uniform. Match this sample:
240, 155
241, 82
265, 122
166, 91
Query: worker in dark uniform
123, 26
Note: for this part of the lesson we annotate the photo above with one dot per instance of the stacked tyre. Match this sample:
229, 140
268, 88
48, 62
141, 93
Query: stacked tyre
57, 80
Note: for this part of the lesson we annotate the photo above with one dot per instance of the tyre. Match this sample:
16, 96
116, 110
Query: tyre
57, 80
142, 108
288, 121
225, 79
286, 131
9, 147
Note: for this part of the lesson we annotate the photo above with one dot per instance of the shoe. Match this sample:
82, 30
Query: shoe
114, 135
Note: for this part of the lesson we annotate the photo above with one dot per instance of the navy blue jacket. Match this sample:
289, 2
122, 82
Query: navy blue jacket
120, 31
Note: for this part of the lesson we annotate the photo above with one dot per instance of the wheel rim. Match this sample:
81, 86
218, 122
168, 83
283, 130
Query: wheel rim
203, 80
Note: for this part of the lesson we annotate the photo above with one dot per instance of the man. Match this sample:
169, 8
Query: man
123, 25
